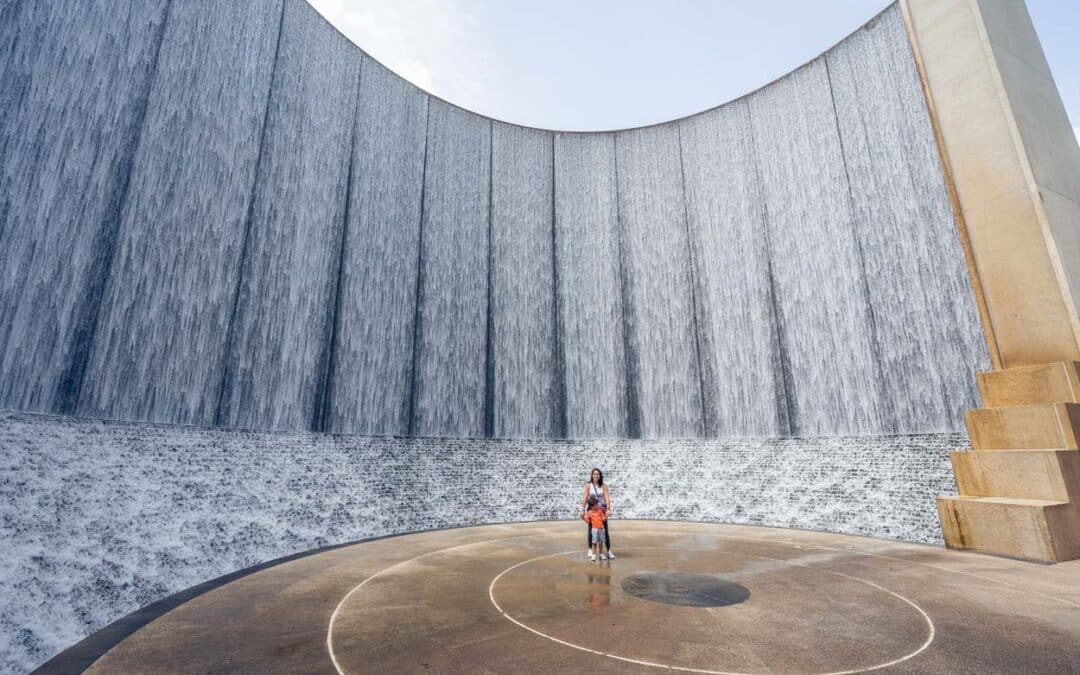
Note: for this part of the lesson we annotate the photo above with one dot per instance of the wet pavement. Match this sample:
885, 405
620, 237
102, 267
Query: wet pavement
683, 596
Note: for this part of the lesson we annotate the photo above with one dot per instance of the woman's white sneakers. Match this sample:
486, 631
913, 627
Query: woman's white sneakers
592, 556
610, 555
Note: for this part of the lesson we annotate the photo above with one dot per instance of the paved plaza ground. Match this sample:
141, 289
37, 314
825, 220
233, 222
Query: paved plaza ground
678, 596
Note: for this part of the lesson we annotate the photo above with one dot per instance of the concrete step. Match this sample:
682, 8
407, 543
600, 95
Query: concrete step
1032, 529
989, 450
1050, 426
1046, 383
1028, 474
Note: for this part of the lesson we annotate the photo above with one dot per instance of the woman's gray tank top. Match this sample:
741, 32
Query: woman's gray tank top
597, 492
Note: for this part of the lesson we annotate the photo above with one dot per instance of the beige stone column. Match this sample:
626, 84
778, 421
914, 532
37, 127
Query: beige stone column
1014, 164
1013, 168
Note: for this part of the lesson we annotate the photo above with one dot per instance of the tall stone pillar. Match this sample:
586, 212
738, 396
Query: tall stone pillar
1014, 166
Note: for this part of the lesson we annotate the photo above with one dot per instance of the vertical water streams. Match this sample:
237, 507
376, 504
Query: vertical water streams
820, 287
451, 366
259, 226
371, 383
523, 295
160, 344
589, 297
737, 329
285, 304
928, 332
652, 216
66, 153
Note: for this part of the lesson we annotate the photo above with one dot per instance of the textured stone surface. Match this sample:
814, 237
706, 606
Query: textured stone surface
100, 518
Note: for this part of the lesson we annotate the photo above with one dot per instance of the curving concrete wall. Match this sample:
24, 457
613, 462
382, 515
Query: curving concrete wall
226, 214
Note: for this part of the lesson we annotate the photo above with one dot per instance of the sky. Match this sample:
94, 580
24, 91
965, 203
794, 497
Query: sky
612, 64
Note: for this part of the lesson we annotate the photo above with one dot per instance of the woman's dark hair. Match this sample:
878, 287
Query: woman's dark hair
601, 483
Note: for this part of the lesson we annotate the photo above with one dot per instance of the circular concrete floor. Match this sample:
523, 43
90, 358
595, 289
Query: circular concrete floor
523, 598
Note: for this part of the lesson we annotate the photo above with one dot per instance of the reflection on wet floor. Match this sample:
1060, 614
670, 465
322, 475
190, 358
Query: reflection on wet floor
599, 594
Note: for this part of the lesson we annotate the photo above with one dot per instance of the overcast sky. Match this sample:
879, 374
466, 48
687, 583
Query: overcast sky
610, 64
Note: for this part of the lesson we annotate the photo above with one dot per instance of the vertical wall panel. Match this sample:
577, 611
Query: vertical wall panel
371, 381
656, 254
740, 351
73, 89
589, 294
523, 333
821, 291
920, 294
284, 313
451, 350
159, 347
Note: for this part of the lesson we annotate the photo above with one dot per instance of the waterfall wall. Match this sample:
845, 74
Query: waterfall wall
226, 214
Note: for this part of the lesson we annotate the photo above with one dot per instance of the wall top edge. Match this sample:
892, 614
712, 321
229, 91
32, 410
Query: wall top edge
868, 24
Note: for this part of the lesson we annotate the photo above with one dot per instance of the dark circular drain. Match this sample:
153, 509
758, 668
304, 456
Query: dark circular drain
684, 589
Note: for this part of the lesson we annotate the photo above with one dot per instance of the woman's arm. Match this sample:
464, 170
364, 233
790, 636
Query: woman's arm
585, 498
607, 498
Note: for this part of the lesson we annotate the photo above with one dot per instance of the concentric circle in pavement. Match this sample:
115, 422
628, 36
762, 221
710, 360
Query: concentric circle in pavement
854, 625
523, 598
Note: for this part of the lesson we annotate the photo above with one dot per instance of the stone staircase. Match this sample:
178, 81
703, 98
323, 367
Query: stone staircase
1020, 483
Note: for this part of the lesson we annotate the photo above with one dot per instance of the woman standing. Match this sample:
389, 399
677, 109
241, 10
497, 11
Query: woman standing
596, 488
